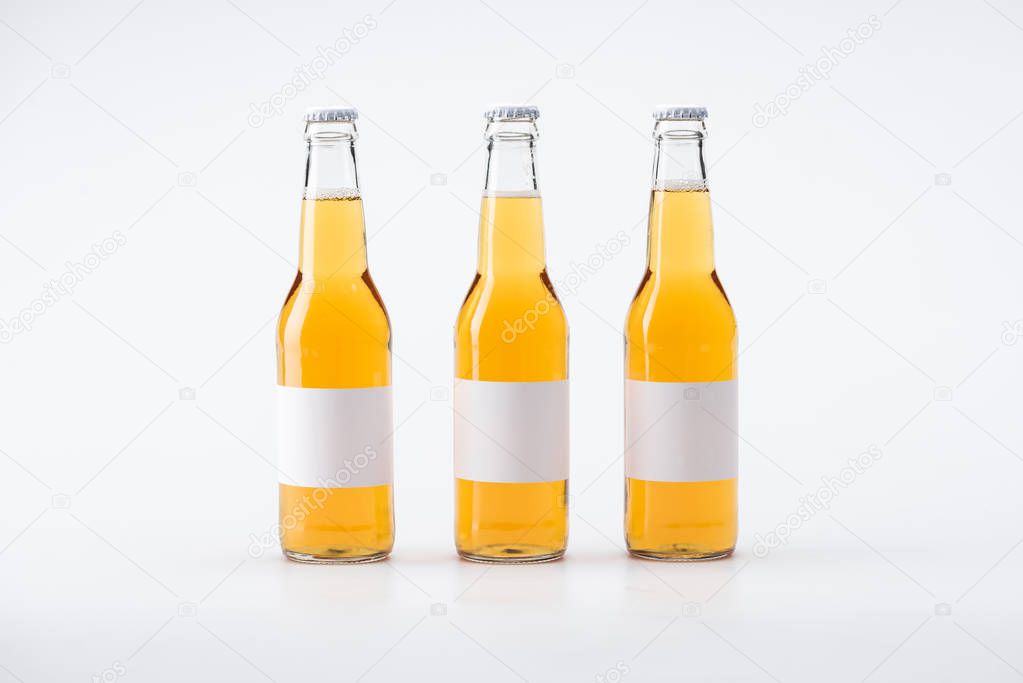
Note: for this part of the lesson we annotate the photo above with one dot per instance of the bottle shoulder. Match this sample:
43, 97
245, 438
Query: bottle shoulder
696, 303
497, 296
337, 305
511, 333
529, 315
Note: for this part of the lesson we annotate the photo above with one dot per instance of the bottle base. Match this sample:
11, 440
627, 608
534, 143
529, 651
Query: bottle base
681, 556
511, 555
337, 557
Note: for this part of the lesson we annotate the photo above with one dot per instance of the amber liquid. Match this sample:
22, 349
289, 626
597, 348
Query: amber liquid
511, 522
333, 332
680, 328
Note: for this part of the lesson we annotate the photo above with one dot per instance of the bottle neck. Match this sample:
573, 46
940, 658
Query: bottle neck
330, 162
678, 156
333, 237
511, 159
511, 217
681, 239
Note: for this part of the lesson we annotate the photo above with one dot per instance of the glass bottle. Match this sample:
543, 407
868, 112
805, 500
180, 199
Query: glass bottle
335, 415
511, 368
681, 461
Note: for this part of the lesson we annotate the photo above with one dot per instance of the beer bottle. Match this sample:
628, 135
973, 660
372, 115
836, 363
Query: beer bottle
681, 447
511, 368
335, 416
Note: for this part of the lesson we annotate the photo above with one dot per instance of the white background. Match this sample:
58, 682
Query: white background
877, 304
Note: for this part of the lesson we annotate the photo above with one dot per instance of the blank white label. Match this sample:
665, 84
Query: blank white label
681, 431
511, 432
335, 438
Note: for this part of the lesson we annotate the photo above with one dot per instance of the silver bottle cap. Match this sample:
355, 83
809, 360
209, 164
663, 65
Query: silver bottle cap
322, 114
512, 112
676, 113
